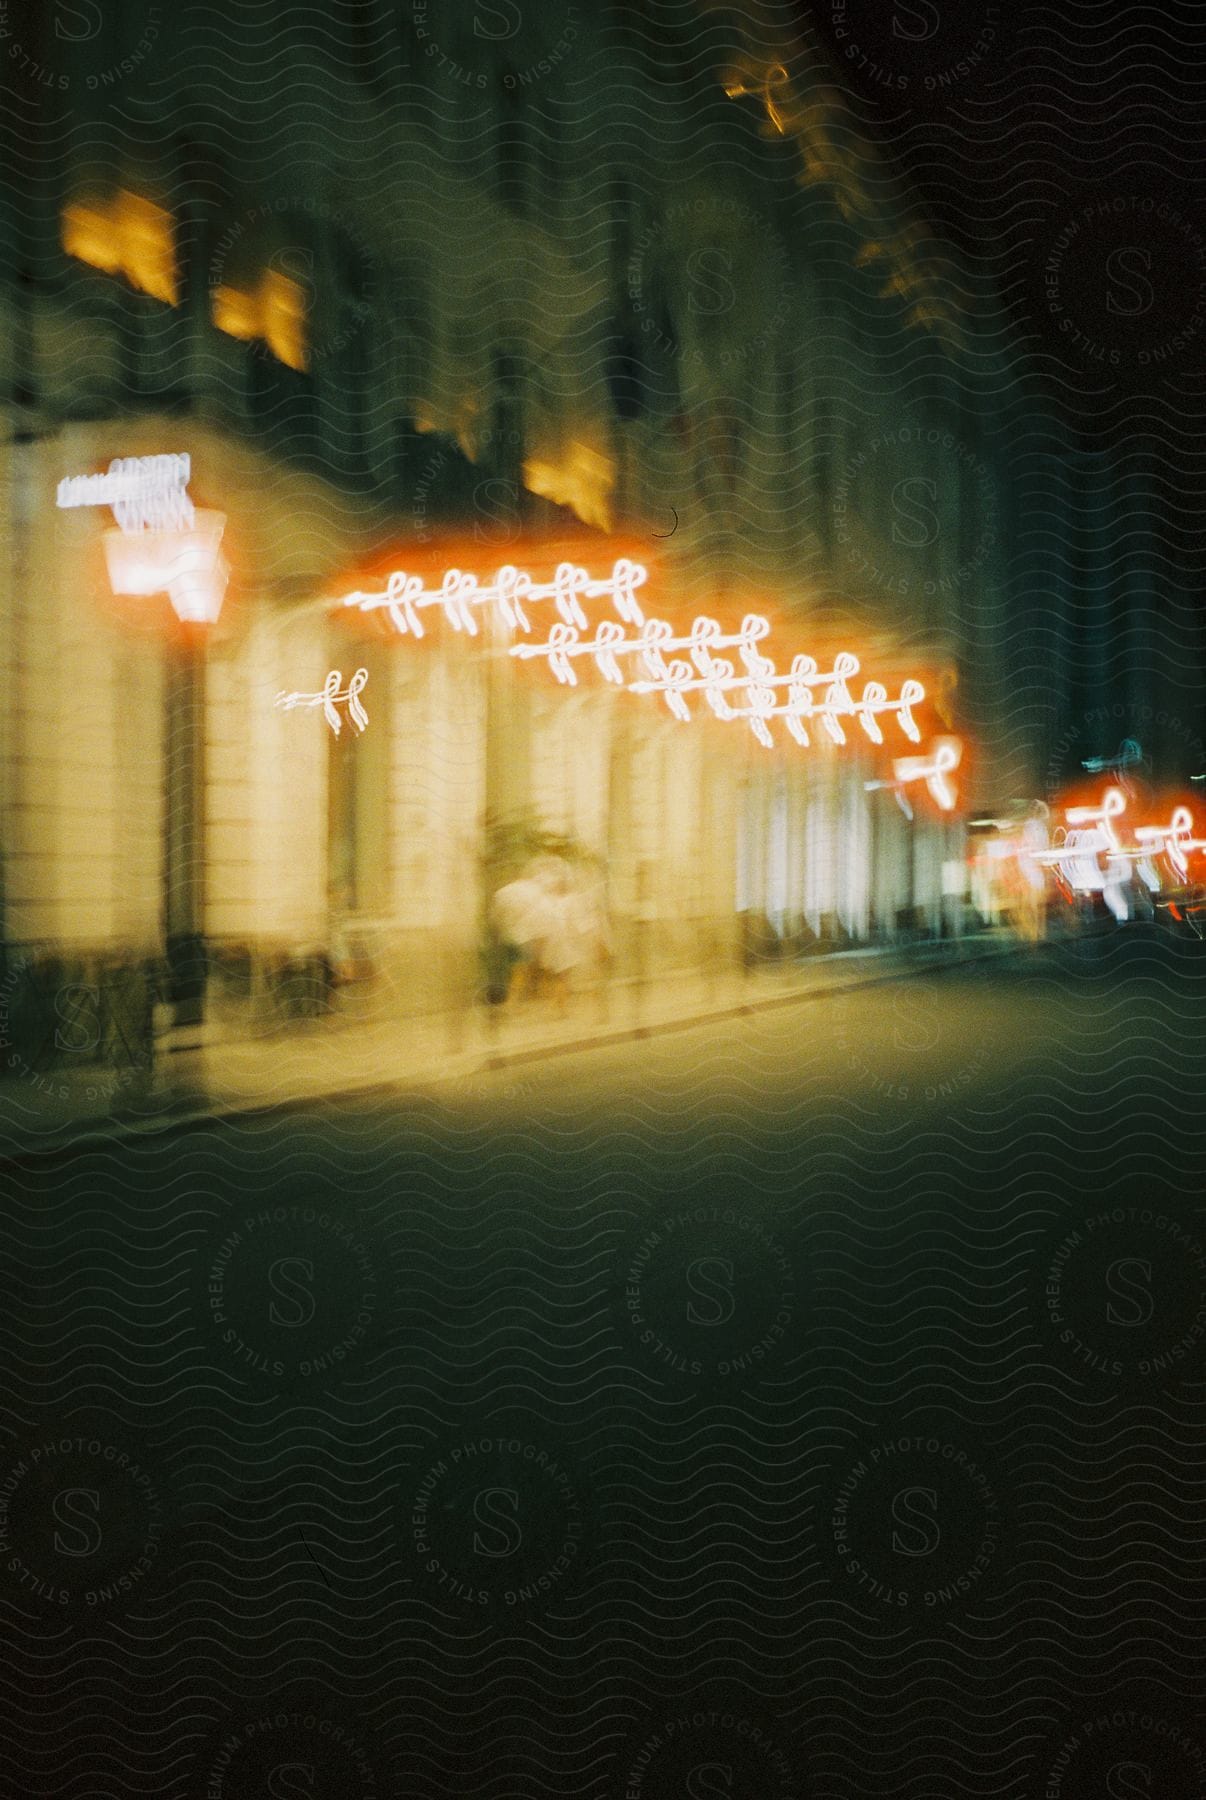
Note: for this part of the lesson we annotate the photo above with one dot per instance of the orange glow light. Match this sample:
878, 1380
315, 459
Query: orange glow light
274, 311
581, 478
125, 235
186, 565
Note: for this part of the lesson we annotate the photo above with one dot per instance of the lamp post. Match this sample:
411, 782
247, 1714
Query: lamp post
163, 544
184, 830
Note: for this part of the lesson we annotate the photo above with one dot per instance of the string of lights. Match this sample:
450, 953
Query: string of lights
651, 642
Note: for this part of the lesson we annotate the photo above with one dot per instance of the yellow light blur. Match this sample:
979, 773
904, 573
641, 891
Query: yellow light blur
273, 311
577, 476
125, 235
464, 427
581, 478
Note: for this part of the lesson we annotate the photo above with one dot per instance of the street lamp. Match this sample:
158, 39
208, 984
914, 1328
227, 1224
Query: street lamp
186, 565
162, 543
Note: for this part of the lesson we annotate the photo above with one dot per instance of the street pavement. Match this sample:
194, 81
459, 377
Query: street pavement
809, 1403
359, 1041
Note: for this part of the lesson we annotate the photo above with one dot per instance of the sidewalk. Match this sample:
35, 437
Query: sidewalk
328, 1057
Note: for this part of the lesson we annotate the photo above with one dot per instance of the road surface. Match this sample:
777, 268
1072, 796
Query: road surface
807, 1406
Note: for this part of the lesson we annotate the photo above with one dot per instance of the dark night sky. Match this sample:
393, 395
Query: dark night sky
1073, 131
1013, 116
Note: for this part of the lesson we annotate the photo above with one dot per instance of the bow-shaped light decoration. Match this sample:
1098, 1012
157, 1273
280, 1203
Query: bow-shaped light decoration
720, 675
654, 642
404, 595
929, 769
1113, 805
933, 771
1091, 836
1176, 839
329, 697
654, 639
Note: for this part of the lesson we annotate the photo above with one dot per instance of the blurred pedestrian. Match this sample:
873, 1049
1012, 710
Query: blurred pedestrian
1033, 841
521, 917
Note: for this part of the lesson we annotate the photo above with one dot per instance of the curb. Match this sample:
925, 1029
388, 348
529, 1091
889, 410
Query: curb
125, 1129
502, 1059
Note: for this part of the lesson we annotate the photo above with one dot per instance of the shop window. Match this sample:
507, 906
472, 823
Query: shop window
127, 235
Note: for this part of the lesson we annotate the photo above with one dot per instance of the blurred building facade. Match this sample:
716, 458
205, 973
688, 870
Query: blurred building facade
412, 294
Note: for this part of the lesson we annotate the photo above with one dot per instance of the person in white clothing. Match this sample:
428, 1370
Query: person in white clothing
521, 915
577, 938
1032, 910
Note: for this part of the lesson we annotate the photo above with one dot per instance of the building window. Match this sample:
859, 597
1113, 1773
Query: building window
271, 309
124, 234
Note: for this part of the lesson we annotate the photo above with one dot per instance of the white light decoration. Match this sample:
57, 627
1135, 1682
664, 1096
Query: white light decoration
1092, 836
754, 681
713, 676
656, 636
1175, 839
404, 595
933, 770
761, 708
680, 678
1091, 840
163, 544
676, 679
1113, 805
147, 493
329, 697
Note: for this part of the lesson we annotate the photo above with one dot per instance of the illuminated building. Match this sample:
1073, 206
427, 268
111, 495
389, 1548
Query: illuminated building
432, 362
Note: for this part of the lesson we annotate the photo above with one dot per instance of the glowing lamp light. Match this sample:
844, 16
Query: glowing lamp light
137, 562
581, 478
186, 565
162, 543
197, 595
